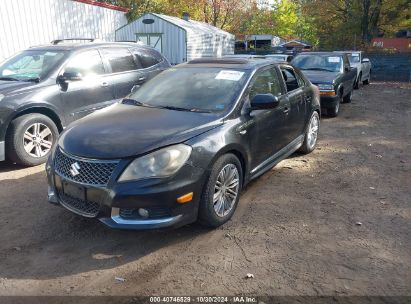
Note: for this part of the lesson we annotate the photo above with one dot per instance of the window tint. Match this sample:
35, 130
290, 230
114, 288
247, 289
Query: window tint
120, 59
265, 82
88, 63
292, 80
146, 59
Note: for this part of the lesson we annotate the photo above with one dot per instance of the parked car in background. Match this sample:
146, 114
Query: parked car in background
43, 89
280, 57
363, 66
184, 145
333, 75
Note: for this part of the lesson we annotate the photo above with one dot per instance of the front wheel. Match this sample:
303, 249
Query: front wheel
311, 134
333, 112
30, 139
222, 191
348, 98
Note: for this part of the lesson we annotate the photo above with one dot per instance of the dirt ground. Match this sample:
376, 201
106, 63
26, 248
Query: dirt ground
297, 228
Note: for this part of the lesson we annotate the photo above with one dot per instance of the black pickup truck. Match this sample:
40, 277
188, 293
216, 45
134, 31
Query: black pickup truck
333, 75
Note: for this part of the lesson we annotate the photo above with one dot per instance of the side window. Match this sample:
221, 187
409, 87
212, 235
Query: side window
87, 63
120, 59
145, 58
265, 82
292, 80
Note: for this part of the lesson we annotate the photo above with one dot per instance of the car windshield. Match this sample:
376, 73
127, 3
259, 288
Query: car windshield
331, 63
354, 58
192, 89
30, 65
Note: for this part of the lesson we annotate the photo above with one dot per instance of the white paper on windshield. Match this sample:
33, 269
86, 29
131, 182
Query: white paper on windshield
334, 59
50, 54
229, 75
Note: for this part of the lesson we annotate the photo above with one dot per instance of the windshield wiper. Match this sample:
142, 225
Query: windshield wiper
183, 109
133, 102
37, 79
9, 78
318, 69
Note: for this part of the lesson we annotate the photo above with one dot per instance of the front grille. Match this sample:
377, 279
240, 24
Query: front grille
90, 172
154, 213
84, 208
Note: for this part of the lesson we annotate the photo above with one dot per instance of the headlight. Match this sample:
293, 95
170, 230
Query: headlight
1, 97
161, 163
326, 87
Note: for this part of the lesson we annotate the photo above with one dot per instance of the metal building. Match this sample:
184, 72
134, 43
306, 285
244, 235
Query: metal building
24, 23
178, 39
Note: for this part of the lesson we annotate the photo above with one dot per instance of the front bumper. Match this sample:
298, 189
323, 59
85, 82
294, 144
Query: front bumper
119, 203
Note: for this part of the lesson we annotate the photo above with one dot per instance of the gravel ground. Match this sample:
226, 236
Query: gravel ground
335, 222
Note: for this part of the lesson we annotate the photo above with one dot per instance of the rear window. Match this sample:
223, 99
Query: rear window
120, 59
145, 58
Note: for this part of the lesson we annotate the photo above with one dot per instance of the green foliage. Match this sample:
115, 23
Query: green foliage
330, 24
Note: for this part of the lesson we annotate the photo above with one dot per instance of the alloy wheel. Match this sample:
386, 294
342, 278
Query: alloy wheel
226, 190
38, 140
313, 131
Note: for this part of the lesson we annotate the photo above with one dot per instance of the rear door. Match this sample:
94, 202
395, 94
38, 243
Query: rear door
151, 63
124, 70
92, 92
296, 96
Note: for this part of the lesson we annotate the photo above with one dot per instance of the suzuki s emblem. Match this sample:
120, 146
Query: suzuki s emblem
75, 169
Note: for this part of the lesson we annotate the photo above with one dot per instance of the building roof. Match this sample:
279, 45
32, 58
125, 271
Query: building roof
193, 26
105, 5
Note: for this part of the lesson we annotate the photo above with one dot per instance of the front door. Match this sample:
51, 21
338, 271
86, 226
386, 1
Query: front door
270, 134
93, 91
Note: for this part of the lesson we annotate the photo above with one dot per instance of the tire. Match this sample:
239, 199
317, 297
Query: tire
311, 134
208, 215
357, 82
367, 81
333, 112
348, 98
21, 137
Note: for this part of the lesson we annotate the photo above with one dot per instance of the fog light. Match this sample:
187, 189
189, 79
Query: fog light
143, 212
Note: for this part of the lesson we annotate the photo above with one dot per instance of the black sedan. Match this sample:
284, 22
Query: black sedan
181, 147
332, 73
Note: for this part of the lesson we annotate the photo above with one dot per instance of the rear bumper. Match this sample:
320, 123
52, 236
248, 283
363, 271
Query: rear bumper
2, 151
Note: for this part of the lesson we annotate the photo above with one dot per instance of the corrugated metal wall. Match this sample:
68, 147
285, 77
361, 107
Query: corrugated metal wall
182, 40
24, 23
173, 37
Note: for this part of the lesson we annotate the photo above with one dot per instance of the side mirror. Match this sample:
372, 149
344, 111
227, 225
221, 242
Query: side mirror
264, 101
365, 60
135, 88
347, 68
69, 76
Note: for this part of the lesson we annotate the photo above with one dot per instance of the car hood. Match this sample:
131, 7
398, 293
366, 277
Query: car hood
7, 87
320, 76
122, 131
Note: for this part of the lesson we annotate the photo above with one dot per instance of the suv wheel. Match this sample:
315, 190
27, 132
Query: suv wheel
311, 134
333, 112
348, 98
222, 191
30, 139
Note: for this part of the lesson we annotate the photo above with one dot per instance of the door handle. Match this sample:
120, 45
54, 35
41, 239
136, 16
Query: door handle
104, 84
286, 110
142, 79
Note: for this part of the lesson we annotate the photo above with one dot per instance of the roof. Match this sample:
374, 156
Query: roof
105, 5
233, 63
296, 41
323, 53
193, 26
